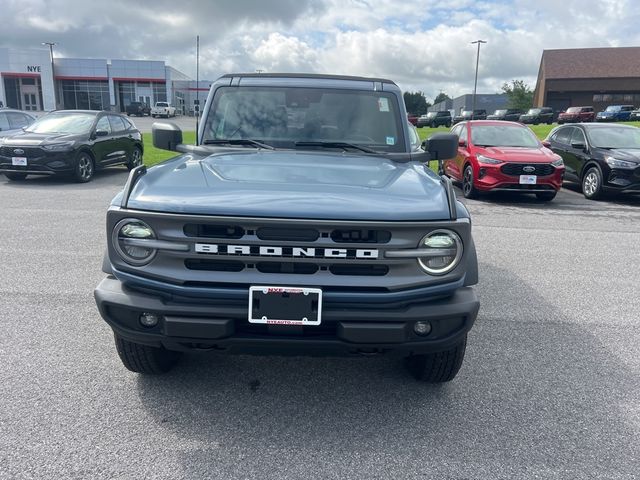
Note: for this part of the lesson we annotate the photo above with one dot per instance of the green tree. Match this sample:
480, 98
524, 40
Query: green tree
519, 94
416, 103
441, 97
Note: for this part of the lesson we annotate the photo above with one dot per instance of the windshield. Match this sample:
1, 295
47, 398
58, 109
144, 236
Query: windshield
534, 111
467, 113
503, 136
612, 108
283, 116
615, 137
500, 112
67, 123
162, 104
432, 114
573, 110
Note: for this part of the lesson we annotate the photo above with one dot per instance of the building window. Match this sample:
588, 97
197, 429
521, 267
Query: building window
126, 94
159, 92
627, 98
85, 94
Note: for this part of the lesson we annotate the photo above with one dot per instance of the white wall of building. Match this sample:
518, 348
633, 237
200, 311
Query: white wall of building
29, 62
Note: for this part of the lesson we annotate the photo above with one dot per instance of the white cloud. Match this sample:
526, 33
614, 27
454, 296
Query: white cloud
422, 45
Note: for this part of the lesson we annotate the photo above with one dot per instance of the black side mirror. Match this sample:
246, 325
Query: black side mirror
166, 136
442, 146
101, 133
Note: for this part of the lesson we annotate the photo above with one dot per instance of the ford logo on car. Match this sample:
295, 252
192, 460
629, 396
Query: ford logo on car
18, 151
529, 169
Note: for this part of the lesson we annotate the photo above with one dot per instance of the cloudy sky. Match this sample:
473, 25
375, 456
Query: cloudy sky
422, 45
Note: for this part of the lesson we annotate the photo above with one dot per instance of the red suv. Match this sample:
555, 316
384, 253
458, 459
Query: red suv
499, 155
577, 114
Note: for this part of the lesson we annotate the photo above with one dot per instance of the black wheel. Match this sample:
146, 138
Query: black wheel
16, 176
448, 125
84, 168
592, 184
153, 116
546, 196
128, 114
145, 359
437, 367
468, 190
135, 160
433, 125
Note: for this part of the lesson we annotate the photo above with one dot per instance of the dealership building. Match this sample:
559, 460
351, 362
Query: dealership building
596, 77
30, 81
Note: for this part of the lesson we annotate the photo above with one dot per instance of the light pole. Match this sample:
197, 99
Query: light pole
475, 83
53, 77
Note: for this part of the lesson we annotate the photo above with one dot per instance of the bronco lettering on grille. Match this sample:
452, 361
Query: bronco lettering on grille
269, 251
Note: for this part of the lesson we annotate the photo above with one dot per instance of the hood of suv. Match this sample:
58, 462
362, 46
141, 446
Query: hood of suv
30, 139
292, 184
518, 154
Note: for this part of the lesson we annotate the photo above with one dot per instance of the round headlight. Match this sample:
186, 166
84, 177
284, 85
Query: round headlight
442, 252
128, 239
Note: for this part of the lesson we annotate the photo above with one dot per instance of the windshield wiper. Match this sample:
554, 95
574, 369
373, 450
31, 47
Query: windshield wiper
343, 145
239, 141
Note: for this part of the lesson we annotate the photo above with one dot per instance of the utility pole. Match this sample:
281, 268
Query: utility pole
475, 83
53, 77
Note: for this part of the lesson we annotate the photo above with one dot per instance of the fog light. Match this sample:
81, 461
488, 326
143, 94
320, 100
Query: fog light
422, 328
149, 319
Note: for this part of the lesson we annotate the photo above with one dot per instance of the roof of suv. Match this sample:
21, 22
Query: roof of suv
308, 75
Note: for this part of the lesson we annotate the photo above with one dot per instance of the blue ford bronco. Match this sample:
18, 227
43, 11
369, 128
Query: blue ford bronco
305, 220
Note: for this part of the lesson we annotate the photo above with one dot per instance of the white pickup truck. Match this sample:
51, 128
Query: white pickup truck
163, 109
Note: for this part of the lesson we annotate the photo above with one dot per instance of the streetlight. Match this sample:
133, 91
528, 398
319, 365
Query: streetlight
53, 77
475, 83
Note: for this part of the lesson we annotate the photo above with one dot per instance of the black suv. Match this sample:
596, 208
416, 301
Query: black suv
138, 109
478, 114
538, 115
599, 157
509, 114
71, 142
435, 119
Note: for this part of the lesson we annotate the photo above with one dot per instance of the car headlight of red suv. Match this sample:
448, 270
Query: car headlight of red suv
488, 160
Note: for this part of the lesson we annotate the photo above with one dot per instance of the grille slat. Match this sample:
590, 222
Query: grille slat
516, 169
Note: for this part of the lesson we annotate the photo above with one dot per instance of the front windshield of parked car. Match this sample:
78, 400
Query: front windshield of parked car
500, 112
284, 116
467, 113
503, 136
67, 123
573, 110
615, 137
534, 111
612, 108
432, 114
162, 104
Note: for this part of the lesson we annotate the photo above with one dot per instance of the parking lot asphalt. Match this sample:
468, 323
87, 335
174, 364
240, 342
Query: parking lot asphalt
550, 387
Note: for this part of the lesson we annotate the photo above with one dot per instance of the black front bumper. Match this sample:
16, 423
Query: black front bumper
343, 331
40, 162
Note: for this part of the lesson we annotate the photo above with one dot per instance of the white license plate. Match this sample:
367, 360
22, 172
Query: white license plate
528, 179
21, 161
276, 305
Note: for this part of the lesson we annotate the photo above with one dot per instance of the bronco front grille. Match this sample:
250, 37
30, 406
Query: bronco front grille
539, 169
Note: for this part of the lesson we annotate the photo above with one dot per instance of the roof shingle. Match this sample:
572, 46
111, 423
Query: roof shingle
620, 62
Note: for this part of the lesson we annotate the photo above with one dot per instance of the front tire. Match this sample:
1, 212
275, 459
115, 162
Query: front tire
592, 184
136, 159
145, 359
468, 190
84, 168
16, 177
546, 196
437, 367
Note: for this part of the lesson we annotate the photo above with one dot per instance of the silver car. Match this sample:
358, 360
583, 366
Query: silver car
13, 121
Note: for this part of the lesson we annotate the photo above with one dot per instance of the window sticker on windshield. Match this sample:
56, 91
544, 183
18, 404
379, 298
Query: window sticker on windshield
383, 104
391, 140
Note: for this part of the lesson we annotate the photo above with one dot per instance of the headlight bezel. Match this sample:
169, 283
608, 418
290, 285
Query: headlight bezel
558, 162
614, 162
59, 147
116, 242
484, 160
453, 264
